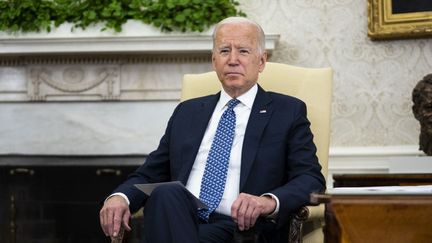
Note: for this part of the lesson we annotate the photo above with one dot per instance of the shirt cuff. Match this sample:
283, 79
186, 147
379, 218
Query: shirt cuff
119, 194
274, 214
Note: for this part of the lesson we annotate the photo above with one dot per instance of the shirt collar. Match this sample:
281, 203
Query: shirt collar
246, 99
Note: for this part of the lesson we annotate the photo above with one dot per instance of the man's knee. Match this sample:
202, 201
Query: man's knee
169, 194
169, 191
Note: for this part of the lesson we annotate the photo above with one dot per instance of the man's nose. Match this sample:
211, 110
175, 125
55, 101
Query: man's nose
233, 58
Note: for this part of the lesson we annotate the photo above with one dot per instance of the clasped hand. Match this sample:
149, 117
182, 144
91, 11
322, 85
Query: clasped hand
247, 208
113, 214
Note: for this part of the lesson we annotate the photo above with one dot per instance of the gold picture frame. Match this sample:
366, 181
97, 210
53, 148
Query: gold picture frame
384, 24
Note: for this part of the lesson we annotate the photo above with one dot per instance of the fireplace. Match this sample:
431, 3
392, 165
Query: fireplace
59, 198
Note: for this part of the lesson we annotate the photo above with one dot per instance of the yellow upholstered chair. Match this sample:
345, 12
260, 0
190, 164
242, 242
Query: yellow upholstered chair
314, 87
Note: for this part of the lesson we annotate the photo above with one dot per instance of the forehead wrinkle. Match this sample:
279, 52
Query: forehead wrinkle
234, 43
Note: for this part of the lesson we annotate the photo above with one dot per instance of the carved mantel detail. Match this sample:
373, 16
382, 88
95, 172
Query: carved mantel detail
65, 82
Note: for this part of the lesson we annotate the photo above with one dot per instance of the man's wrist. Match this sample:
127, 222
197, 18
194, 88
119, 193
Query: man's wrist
276, 210
119, 194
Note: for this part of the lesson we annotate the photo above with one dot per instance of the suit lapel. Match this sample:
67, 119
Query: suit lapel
197, 127
259, 117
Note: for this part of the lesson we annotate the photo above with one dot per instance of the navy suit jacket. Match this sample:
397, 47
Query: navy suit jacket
278, 154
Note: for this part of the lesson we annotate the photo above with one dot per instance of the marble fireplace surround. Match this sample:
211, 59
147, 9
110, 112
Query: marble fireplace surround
91, 93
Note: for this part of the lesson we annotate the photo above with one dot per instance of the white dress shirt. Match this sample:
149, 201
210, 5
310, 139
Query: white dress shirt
242, 110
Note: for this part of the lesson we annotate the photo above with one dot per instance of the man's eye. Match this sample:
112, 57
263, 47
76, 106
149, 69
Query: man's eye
244, 51
223, 51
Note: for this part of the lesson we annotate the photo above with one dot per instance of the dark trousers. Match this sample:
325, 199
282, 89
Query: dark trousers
170, 216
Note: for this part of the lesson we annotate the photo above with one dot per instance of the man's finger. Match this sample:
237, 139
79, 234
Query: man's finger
108, 219
234, 209
241, 213
125, 221
118, 217
103, 222
119, 237
248, 217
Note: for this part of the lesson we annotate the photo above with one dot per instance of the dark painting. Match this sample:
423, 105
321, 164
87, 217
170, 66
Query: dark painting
411, 6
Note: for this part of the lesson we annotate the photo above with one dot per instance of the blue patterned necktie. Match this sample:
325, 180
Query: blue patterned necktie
215, 172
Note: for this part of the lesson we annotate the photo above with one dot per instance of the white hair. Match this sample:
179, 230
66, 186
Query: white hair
242, 20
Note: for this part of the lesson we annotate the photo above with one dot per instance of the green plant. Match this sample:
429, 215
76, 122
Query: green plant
25, 15
168, 15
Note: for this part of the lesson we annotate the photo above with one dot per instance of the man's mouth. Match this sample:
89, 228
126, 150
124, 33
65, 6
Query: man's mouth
232, 73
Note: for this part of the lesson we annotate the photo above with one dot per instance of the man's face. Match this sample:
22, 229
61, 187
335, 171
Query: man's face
236, 58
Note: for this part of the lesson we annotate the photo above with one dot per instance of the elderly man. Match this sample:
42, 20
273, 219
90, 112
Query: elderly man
246, 153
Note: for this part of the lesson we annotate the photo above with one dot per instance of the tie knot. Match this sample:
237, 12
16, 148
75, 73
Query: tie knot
232, 103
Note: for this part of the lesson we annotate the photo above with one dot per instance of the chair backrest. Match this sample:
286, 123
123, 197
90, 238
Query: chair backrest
312, 85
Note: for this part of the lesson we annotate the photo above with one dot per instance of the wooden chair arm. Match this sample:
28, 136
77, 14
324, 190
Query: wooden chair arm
296, 225
295, 229
119, 238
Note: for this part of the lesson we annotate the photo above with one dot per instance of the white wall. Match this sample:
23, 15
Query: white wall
372, 119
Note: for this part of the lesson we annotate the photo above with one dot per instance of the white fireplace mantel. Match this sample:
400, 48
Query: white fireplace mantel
63, 65
135, 38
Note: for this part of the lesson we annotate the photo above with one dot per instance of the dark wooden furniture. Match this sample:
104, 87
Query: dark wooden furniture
356, 180
377, 218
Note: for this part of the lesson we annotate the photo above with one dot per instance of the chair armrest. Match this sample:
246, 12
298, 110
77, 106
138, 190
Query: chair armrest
316, 212
296, 225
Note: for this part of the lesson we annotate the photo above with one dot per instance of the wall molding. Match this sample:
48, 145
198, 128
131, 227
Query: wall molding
104, 59
131, 45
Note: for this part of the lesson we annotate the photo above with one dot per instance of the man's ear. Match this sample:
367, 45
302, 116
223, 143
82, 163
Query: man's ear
262, 62
213, 61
